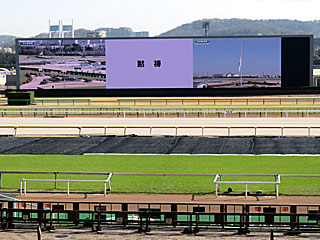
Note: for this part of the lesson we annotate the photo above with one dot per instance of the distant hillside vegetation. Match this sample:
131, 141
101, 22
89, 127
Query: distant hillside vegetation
6, 38
232, 27
7, 41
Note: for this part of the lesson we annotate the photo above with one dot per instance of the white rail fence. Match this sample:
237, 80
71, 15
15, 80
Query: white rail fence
217, 180
23, 183
199, 112
175, 130
178, 101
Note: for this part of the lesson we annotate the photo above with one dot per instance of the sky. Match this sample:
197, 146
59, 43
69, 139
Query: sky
222, 56
26, 18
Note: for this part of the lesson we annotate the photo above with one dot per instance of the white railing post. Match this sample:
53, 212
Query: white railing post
105, 188
20, 187
246, 192
277, 186
109, 180
68, 192
216, 182
25, 187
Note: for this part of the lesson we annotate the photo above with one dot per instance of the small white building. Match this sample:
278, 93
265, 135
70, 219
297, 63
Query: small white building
3, 76
316, 77
97, 34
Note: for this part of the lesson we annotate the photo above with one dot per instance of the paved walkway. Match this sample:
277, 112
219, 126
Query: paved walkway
168, 198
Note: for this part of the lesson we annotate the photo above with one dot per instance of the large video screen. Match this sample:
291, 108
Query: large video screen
253, 62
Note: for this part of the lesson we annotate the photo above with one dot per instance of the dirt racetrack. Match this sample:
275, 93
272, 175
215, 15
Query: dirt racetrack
168, 198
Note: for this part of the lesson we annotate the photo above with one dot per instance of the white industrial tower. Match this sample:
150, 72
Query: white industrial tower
60, 30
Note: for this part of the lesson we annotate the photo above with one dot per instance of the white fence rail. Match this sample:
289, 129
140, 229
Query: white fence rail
176, 130
23, 183
217, 180
200, 112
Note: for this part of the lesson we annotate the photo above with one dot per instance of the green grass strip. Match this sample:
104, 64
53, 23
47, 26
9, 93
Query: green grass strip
164, 164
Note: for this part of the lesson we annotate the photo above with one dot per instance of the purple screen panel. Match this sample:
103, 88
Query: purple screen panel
156, 63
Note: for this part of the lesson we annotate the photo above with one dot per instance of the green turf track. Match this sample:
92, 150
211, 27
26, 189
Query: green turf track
164, 164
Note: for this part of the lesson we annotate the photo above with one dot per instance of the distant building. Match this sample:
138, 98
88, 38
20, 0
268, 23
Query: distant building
218, 75
123, 32
6, 74
142, 34
316, 41
97, 34
3, 73
8, 50
316, 77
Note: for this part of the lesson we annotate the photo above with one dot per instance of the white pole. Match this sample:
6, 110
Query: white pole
277, 190
25, 187
68, 188
105, 188
60, 30
20, 187
246, 192
72, 29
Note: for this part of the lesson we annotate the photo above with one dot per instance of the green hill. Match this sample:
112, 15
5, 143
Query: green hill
232, 27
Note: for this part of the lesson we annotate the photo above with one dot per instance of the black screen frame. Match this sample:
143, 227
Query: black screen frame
292, 80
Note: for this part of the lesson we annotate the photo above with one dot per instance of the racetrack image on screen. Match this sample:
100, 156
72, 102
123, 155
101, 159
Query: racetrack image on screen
56, 64
237, 62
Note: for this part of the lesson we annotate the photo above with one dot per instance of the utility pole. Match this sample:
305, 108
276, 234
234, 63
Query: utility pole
205, 26
240, 64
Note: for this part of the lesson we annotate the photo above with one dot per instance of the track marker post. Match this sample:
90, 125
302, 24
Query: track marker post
55, 178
